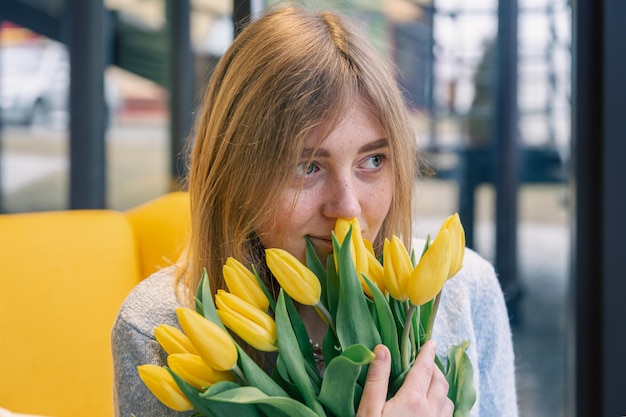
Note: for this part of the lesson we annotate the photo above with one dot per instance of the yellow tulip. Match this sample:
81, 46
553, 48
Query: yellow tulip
162, 384
195, 371
431, 272
251, 324
172, 340
457, 243
213, 344
397, 268
242, 282
376, 272
358, 251
296, 279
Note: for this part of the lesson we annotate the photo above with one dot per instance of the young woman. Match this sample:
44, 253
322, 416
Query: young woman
303, 123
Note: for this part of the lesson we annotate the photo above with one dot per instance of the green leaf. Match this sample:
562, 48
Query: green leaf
192, 394
399, 313
254, 396
199, 306
386, 326
208, 306
340, 380
460, 379
198, 297
397, 383
290, 350
221, 408
354, 322
267, 293
302, 336
425, 312
280, 374
257, 376
330, 346
332, 285
219, 387
315, 265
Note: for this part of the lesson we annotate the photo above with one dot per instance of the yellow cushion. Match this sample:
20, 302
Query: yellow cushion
63, 278
161, 228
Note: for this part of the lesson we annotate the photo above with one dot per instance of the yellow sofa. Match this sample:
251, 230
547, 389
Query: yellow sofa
63, 277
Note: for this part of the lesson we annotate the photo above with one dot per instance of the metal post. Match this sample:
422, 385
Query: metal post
507, 151
181, 87
429, 19
597, 371
87, 106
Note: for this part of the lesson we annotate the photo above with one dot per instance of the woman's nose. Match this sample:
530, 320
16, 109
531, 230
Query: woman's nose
343, 200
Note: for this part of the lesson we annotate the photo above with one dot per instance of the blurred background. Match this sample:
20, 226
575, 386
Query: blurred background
97, 100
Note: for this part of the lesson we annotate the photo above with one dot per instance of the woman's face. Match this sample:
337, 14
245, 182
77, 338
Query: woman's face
348, 175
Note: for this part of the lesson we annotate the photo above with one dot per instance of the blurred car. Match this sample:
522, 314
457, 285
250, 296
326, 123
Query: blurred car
35, 81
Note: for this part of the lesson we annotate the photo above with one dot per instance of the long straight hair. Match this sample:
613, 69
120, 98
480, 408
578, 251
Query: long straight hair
289, 73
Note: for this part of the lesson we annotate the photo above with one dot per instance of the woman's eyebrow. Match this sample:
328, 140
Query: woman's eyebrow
372, 146
323, 153
318, 153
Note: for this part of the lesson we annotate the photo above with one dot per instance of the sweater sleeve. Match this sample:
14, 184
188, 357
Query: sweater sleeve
494, 346
133, 344
472, 308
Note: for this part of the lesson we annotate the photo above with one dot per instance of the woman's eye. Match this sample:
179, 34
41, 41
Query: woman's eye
305, 169
373, 162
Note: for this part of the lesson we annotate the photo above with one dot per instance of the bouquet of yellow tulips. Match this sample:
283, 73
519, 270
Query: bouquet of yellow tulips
364, 300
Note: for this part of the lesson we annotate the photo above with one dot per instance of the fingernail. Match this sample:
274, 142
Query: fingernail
380, 352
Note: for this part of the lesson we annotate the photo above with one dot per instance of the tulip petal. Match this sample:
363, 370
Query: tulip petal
457, 243
161, 383
296, 279
173, 340
213, 344
195, 371
431, 272
358, 249
251, 324
397, 268
242, 282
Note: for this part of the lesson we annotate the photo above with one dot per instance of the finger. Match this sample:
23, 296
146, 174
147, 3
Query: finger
420, 376
376, 383
439, 385
438, 394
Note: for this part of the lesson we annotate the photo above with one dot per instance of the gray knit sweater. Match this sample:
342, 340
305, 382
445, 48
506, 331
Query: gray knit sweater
472, 308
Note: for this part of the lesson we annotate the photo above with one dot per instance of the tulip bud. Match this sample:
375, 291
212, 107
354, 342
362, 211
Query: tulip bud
431, 272
172, 340
251, 324
162, 384
213, 344
242, 282
296, 279
457, 243
358, 251
376, 272
397, 268
195, 371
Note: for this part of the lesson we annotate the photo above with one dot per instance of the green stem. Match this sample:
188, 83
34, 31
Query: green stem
322, 311
416, 329
405, 341
431, 318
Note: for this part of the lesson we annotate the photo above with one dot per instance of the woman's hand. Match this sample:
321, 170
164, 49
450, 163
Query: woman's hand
424, 392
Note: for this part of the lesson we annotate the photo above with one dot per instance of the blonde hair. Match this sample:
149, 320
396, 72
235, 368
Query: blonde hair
288, 73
